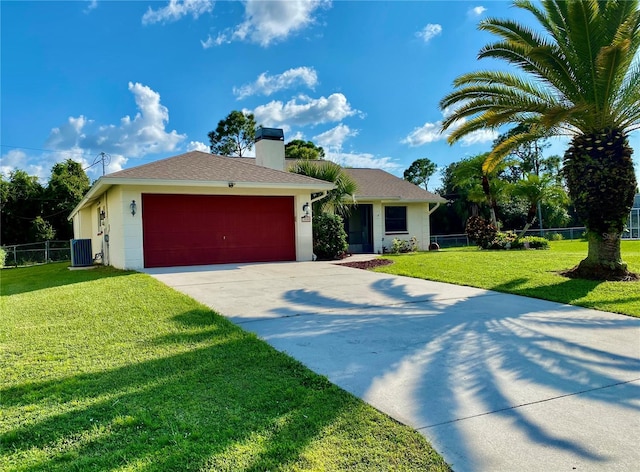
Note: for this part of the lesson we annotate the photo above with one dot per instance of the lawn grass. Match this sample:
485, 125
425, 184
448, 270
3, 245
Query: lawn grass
532, 273
111, 370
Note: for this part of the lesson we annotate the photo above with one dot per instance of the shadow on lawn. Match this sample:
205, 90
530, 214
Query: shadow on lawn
30, 279
178, 412
445, 359
565, 291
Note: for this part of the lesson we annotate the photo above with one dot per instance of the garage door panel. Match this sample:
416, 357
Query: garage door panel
215, 229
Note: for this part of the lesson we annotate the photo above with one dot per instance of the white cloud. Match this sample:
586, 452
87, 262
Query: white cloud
335, 137
39, 164
429, 32
93, 4
305, 110
477, 11
210, 42
269, 84
198, 146
431, 132
297, 135
479, 137
364, 160
267, 22
142, 135
12, 160
427, 133
175, 10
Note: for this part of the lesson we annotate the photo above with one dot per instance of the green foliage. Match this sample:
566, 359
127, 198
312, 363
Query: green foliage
481, 186
593, 93
556, 237
299, 149
131, 375
67, 185
420, 171
535, 242
234, 135
42, 230
504, 240
399, 246
337, 200
601, 180
329, 236
3, 257
22, 200
481, 231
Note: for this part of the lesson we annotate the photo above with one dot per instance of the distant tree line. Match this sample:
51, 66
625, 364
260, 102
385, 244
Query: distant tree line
32, 212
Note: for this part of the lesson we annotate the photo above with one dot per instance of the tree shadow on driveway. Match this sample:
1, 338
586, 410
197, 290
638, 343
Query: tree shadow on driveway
475, 370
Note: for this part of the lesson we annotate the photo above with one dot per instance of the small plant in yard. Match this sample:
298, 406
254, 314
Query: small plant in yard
399, 246
534, 242
3, 257
504, 240
329, 237
481, 231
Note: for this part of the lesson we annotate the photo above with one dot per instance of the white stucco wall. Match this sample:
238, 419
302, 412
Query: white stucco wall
418, 225
125, 247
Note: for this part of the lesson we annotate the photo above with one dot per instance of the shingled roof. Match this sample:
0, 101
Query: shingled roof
377, 184
198, 166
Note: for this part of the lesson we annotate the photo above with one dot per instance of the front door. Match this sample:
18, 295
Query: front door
359, 228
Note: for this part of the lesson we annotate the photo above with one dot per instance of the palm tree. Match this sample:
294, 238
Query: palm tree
336, 199
536, 189
483, 185
580, 77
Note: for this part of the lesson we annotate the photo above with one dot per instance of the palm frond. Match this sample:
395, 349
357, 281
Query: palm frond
578, 75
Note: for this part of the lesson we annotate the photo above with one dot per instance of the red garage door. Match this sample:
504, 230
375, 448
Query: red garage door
213, 229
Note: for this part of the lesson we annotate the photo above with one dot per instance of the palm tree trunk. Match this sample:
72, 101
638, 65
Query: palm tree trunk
602, 184
604, 260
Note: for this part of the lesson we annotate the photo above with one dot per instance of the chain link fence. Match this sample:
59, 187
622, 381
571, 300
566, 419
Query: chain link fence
36, 253
552, 234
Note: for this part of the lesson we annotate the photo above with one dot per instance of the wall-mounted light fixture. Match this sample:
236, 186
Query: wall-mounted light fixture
231, 184
305, 208
133, 207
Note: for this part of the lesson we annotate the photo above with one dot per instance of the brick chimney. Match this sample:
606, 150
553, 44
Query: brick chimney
270, 148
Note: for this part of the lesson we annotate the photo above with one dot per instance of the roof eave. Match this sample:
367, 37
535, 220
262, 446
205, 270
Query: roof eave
103, 184
400, 199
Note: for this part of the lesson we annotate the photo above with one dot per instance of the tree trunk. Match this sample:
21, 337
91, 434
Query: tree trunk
604, 261
602, 184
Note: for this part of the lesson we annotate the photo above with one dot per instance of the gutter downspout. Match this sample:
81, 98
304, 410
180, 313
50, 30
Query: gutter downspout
320, 197
431, 210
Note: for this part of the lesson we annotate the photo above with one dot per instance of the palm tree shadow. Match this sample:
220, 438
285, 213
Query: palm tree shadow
431, 360
182, 410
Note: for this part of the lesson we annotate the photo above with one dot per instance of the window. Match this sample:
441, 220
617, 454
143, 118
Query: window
395, 219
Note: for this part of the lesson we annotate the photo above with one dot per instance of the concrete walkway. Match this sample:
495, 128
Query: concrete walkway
496, 382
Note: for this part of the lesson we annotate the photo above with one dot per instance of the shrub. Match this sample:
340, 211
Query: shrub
329, 237
400, 245
42, 230
535, 242
502, 240
481, 231
556, 237
3, 257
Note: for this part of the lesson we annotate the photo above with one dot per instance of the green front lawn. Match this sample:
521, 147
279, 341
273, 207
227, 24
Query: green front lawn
532, 273
110, 370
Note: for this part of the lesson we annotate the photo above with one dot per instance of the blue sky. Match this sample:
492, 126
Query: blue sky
148, 79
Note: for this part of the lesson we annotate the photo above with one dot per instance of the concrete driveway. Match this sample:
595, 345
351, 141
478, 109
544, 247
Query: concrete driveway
496, 382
